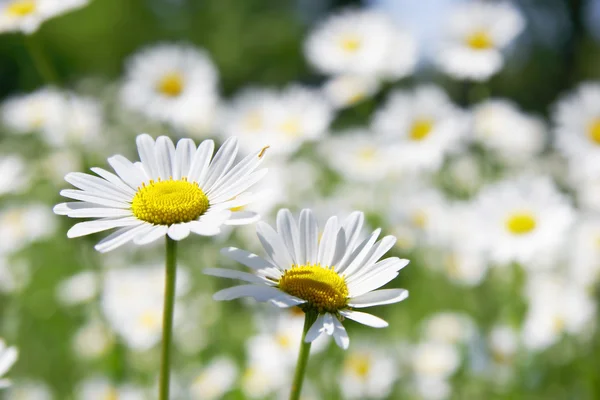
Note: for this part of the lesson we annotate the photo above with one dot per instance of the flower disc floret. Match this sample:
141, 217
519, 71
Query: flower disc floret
321, 287
594, 131
171, 84
521, 223
480, 40
169, 202
21, 7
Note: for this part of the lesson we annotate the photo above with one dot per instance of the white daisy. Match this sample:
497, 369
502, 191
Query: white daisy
577, 127
422, 127
347, 90
8, 356
449, 327
93, 340
503, 341
282, 119
216, 379
27, 15
21, 225
79, 288
14, 174
514, 136
173, 83
361, 42
435, 360
523, 220
368, 372
173, 191
29, 390
329, 277
99, 388
33, 112
476, 34
584, 251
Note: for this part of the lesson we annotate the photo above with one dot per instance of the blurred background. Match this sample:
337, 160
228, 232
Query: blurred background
479, 151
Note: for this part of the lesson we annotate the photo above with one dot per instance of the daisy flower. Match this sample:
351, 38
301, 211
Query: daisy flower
216, 379
15, 176
8, 356
27, 15
361, 42
368, 372
173, 83
329, 277
422, 126
173, 191
577, 127
476, 34
347, 90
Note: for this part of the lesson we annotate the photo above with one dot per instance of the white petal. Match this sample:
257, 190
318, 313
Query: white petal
328, 242
145, 145
121, 237
114, 179
389, 265
201, 162
164, 152
93, 184
352, 226
371, 283
89, 227
93, 198
233, 274
353, 261
99, 213
288, 231
179, 231
260, 293
273, 245
316, 329
238, 172
204, 228
184, 155
236, 188
246, 258
242, 218
153, 234
7, 359
367, 266
309, 237
365, 319
221, 162
127, 171
379, 297
340, 335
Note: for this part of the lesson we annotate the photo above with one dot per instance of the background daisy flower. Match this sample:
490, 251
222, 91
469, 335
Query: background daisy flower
27, 15
8, 356
329, 276
173, 191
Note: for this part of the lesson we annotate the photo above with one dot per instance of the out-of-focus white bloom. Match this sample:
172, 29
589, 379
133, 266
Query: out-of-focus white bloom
132, 303
361, 42
368, 372
523, 220
216, 379
465, 267
358, 155
433, 388
504, 343
173, 83
29, 391
63, 118
347, 90
501, 127
27, 15
577, 127
465, 173
434, 360
283, 120
58, 163
261, 378
92, 340
15, 274
584, 251
476, 34
101, 389
14, 174
23, 224
449, 327
422, 127
549, 315
79, 288
8, 356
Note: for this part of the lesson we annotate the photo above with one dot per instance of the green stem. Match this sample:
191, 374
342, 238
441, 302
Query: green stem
43, 66
309, 319
169, 306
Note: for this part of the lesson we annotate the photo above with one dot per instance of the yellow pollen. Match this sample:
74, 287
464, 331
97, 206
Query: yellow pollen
171, 84
479, 40
21, 8
322, 288
520, 223
283, 341
419, 219
350, 44
291, 127
594, 131
420, 129
169, 202
359, 364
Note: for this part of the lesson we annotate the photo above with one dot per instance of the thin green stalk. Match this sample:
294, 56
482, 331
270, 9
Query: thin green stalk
43, 66
309, 319
169, 306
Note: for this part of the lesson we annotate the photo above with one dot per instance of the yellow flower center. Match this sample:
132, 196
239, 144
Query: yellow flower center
420, 129
322, 288
169, 202
594, 131
291, 127
21, 8
350, 44
419, 219
359, 364
111, 394
150, 320
171, 84
520, 223
283, 341
367, 153
480, 40
558, 323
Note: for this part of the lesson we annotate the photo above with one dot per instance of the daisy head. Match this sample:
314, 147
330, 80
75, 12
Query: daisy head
173, 190
8, 356
477, 32
27, 15
326, 273
172, 83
